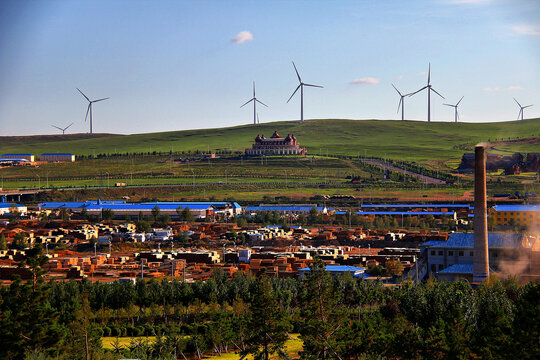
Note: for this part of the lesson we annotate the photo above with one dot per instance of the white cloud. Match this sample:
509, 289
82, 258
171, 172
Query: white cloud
400, 77
242, 37
365, 81
526, 29
513, 88
422, 73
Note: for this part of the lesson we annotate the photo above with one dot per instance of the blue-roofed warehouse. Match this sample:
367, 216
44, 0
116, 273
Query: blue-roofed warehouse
287, 209
57, 157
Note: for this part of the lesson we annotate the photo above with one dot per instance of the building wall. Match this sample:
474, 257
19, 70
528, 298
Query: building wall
57, 157
521, 218
28, 157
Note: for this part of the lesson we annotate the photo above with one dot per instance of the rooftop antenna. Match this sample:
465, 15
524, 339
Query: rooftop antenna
430, 89
255, 101
401, 102
521, 109
301, 87
456, 115
89, 108
63, 130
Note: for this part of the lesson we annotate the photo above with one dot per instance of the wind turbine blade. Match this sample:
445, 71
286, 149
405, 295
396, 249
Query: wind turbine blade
294, 92
250, 100
260, 102
397, 90
520, 112
399, 104
527, 106
57, 127
417, 91
449, 105
517, 102
432, 89
314, 85
457, 113
297, 74
429, 74
68, 127
254, 89
87, 110
86, 97
460, 100
100, 99
258, 118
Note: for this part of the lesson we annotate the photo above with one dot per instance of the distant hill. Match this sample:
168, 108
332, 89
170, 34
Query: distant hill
412, 140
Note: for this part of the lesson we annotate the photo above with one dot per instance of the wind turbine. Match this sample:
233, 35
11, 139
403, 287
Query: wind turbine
430, 89
401, 102
521, 109
456, 115
64, 129
89, 108
255, 101
301, 87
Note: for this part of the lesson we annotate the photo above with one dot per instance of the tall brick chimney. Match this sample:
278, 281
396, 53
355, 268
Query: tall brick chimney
481, 257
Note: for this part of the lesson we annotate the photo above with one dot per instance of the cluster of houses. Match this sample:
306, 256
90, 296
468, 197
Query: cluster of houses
513, 164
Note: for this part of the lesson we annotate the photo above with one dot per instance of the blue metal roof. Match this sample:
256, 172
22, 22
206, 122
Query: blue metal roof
337, 268
458, 269
76, 204
17, 154
282, 208
68, 154
516, 207
405, 213
189, 204
141, 207
416, 206
466, 240
14, 160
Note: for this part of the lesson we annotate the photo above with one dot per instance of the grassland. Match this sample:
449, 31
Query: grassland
407, 140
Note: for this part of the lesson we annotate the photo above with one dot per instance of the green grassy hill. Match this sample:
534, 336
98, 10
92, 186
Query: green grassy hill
408, 140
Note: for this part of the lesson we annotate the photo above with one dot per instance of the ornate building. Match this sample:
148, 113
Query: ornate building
276, 145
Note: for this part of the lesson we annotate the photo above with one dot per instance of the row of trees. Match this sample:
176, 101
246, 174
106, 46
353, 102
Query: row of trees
336, 317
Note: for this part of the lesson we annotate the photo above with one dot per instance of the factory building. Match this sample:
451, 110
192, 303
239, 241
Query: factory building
276, 145
453, 259
27, 157
286, 209
520, 215
57, 157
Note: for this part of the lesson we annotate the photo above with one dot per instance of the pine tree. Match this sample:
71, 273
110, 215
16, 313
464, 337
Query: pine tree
268, 325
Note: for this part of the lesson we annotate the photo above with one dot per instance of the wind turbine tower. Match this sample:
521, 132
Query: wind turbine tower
89, 108
456, 115
401, 102
64, 129
301, 87
255, 101
430, 89
521, 109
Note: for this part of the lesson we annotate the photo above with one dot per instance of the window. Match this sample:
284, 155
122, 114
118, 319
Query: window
450, 253
440, 267
471, 253
461, 253
432, 252
433, 268
440, 252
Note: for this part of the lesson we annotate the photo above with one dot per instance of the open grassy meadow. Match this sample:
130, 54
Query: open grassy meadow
407, 140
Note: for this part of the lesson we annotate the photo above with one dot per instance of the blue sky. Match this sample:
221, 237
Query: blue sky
174, 65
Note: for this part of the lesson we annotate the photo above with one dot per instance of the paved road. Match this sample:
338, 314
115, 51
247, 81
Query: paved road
424, 178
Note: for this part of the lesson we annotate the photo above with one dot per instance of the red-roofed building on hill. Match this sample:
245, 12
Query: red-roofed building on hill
276, 145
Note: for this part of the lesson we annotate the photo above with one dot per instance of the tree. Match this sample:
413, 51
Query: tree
267, 325
394, 267
155, 212
313, 216
35, 260
323, 319
107, 214
187, 215
3, 242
